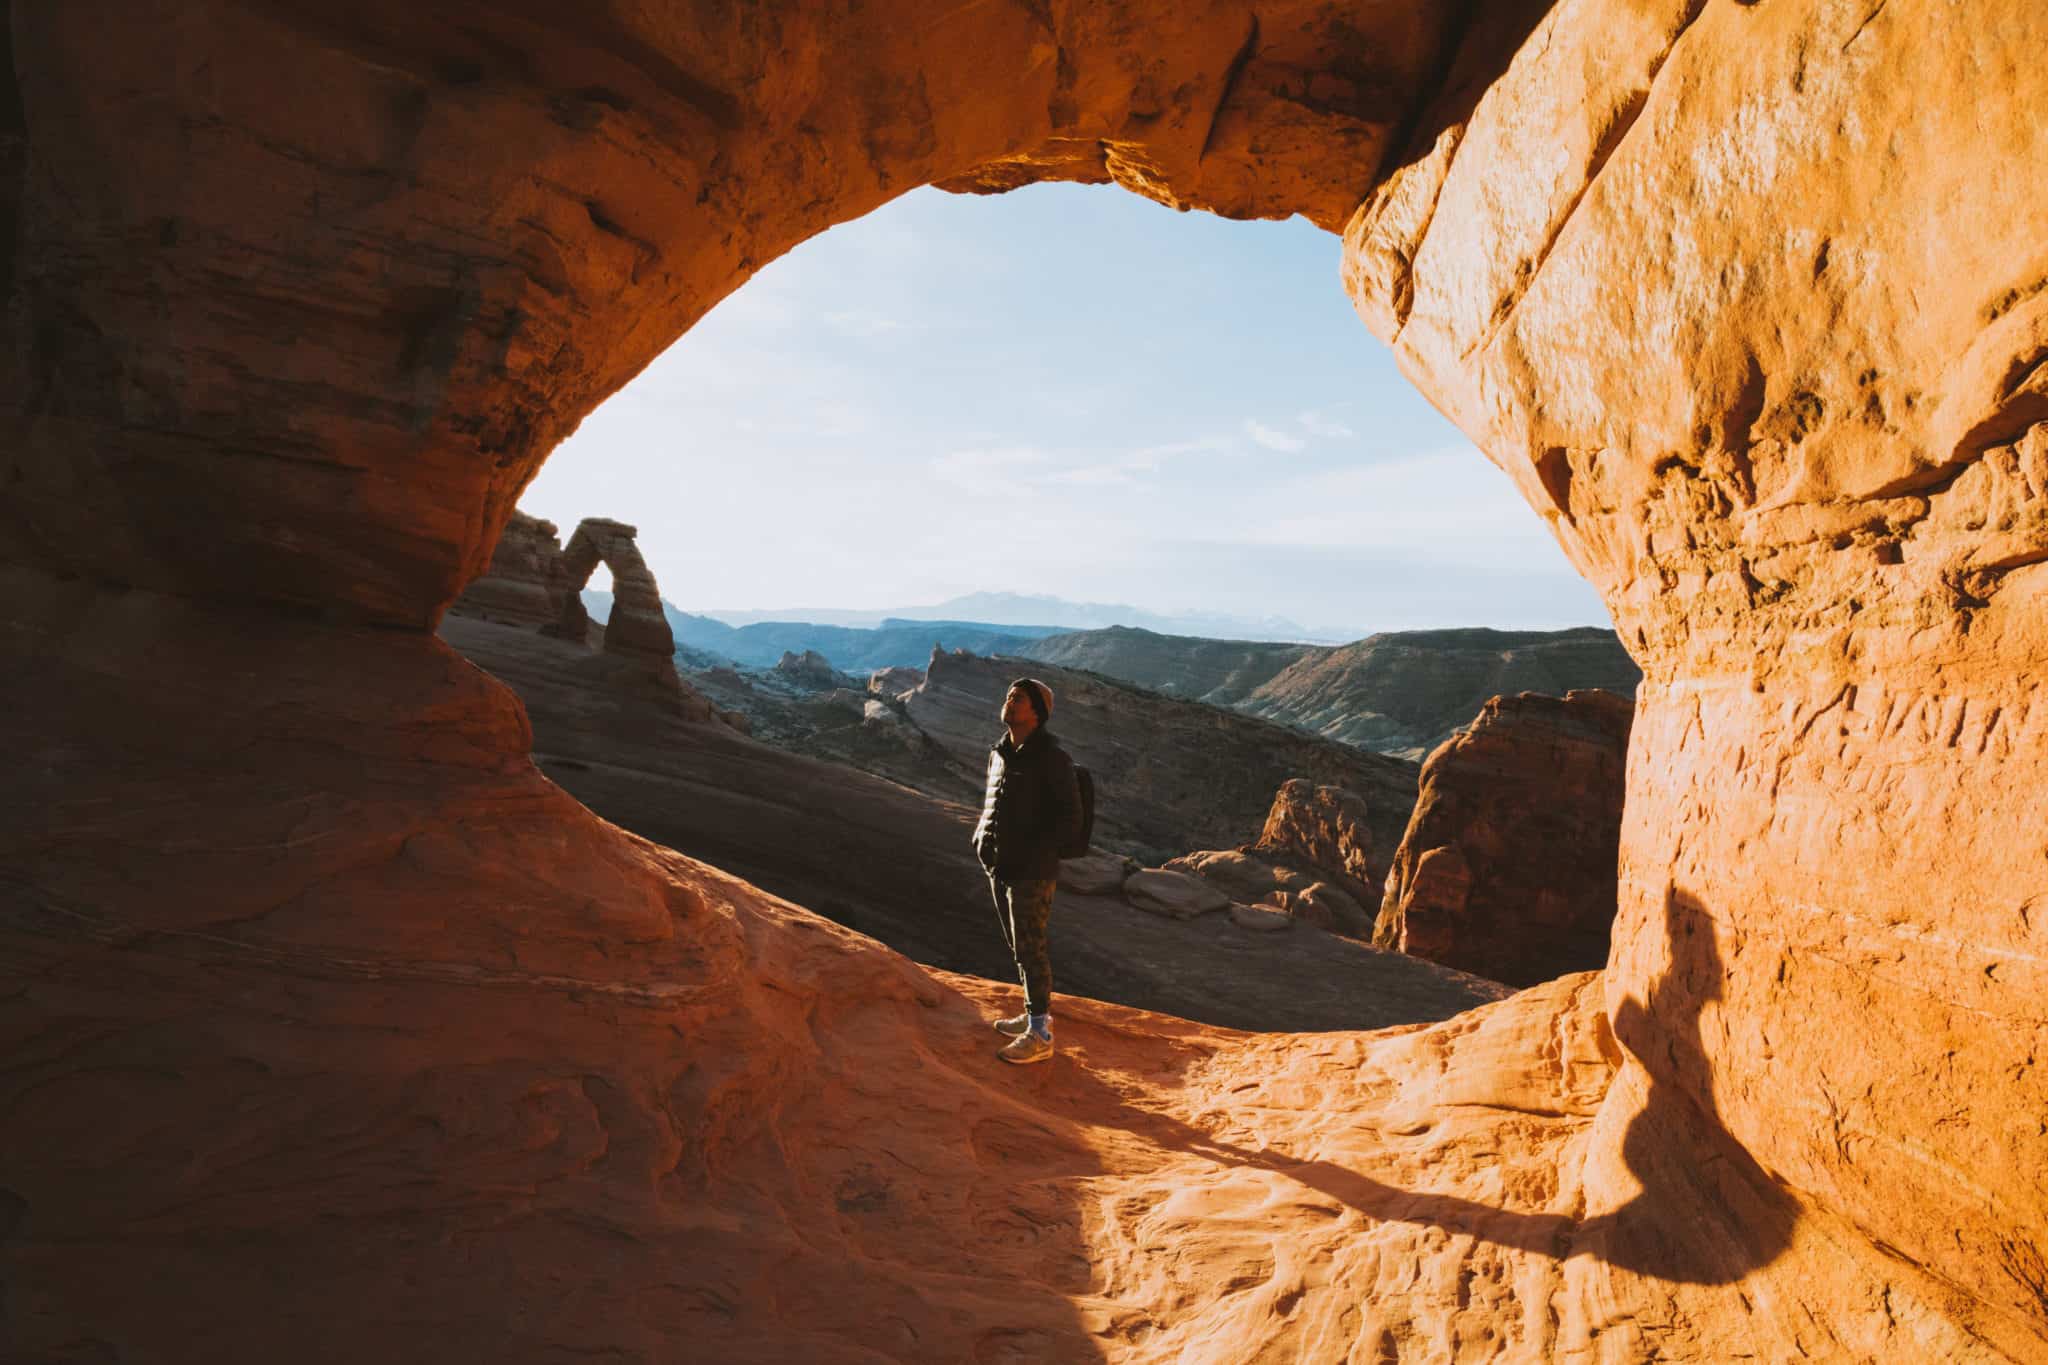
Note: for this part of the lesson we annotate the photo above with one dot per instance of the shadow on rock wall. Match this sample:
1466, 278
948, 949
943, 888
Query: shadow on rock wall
1706, 1213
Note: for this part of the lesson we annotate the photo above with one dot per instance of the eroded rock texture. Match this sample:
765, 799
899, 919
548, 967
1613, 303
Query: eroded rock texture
525, 584
1325, 826
334, 1029
1745, 301
1508, 865
637, 628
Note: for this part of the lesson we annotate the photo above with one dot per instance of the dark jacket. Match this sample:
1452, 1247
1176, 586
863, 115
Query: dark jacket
1032, 807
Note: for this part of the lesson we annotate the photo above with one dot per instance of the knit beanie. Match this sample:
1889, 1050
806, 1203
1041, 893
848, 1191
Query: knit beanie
1038, 694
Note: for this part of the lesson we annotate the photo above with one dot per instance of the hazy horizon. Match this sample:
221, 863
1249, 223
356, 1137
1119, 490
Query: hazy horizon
1064, 391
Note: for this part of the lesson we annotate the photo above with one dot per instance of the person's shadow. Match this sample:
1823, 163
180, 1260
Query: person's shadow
1706, 1213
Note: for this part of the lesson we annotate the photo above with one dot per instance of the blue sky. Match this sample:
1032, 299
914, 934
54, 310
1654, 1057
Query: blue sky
1066, 390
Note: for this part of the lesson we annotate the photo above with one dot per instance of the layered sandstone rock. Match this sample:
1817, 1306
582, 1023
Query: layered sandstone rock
1763, 340
318, 995
525, 584
1260, 919
1310, 861
1176, 895
637, 629
1327, 827
1286, 883
811, 669
895, 681
1097, 874
1508, 866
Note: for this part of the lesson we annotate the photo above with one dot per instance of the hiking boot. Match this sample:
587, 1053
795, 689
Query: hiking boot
1026, 1047
1016, 1026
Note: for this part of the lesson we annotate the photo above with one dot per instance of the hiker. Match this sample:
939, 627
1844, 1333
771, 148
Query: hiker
1032, 811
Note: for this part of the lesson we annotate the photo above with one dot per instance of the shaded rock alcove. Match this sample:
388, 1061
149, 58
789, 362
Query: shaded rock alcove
335, 1029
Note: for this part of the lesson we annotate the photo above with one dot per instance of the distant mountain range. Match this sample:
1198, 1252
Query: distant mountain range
1399, 692
1402, 692
891, 642
1036, 612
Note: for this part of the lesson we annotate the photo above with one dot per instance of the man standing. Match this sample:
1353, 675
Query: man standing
1032, 809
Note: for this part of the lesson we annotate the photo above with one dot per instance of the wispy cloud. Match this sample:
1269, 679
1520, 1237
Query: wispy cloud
1273, 438
1318, 422
1132, 466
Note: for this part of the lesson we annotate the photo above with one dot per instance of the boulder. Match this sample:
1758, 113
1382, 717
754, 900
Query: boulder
1326, 827
894, 681
1236, 873
1263, 919
809, 669
1325, 907
1098, 874
1175, 895
1281, 880
1508, 866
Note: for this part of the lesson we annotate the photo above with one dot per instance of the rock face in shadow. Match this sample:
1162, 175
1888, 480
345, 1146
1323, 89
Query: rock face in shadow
326, 1012
1168, 773
525, 584
1508, 865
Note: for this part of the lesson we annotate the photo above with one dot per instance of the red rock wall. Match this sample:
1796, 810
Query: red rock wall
1746, 301
1508, 866
524, 585
1747, 298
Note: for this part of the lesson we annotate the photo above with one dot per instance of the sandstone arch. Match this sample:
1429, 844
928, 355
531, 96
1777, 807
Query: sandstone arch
636, 628
1748, 298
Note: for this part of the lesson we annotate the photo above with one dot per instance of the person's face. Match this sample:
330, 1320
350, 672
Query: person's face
1017, 712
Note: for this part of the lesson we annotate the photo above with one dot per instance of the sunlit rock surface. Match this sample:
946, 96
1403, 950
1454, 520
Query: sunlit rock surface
335, 1031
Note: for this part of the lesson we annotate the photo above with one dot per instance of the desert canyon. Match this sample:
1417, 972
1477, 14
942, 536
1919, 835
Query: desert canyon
337, 1031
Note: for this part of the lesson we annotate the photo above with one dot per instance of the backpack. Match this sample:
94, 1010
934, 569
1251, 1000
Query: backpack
1085, 780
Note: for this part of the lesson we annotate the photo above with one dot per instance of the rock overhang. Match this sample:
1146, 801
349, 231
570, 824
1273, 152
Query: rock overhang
1756, 324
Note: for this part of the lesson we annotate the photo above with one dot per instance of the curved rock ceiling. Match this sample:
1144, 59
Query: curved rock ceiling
330, 1021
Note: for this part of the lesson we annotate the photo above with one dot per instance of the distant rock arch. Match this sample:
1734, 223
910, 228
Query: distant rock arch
636, 628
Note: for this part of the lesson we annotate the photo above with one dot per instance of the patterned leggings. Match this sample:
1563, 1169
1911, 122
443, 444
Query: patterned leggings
1023, 908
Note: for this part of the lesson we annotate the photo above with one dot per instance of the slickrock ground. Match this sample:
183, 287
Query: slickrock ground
334, 1031
1169, 774
896, 864
1508, 865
